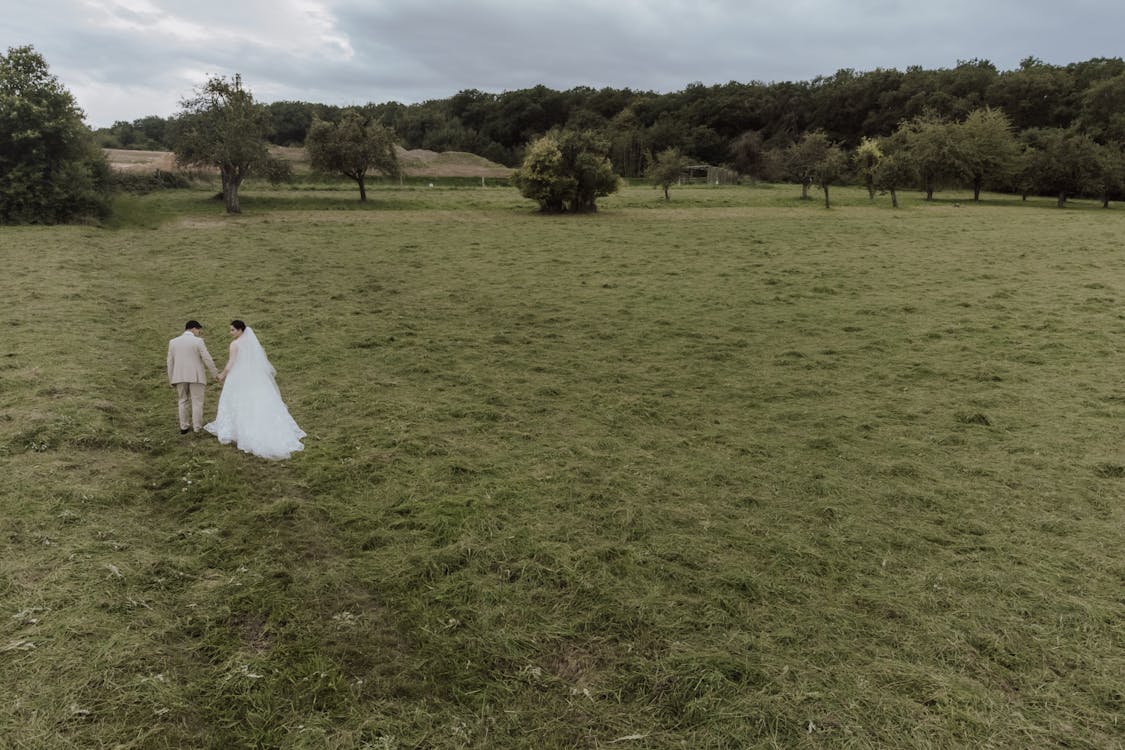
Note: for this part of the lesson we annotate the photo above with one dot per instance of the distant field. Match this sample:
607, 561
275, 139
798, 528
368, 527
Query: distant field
730, 471
415, 163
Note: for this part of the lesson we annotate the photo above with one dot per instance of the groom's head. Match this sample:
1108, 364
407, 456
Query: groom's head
193, 326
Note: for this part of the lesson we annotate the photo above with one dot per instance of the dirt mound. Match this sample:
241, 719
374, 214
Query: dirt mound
125, 160
423, 163
415, 163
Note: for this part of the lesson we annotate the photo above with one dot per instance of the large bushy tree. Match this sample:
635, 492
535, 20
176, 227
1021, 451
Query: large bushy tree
50, 169
933, 145
986, 148
566, 170
1063, 163
223, 127
353, 147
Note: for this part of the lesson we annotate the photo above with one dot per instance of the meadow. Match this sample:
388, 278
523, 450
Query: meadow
730, 471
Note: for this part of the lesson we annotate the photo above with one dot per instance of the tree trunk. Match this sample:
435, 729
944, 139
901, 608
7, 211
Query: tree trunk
362, 190
894, 198
230, 192
231, 199
666, 197
1062, 200
826, 204
929, 190
804, 191
870, 188
976, 189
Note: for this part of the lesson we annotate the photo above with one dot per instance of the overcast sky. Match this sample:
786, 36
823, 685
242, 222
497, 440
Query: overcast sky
124, 59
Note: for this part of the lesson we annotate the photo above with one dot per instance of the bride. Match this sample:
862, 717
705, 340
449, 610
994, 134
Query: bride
251, 413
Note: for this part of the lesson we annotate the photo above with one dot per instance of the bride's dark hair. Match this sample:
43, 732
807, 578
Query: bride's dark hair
238, 324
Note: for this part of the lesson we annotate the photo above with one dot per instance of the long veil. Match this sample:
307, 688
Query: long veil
252, 357
251, 411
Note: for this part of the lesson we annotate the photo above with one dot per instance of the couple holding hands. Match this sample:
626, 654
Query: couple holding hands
251, 413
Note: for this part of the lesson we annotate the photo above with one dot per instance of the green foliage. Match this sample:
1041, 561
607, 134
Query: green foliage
986, 148
708, 122
353, 147
747, 153
1063, 163
866, 158
933, 145
803, 159
540, 177
667, 168
144, 134
1103, 110
290, 121
1036, 95
566, 171
830, 169
894, 170
50, 169
147, 182
1110, 177
711, 123
222, 126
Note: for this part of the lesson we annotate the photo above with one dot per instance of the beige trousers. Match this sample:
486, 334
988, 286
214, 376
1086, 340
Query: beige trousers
191, 396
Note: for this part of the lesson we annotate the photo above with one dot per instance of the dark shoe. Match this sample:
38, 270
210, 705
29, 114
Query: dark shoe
185, 431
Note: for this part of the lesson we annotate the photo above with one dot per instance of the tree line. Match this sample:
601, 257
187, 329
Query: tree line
703, 121
1041, 128
971, 125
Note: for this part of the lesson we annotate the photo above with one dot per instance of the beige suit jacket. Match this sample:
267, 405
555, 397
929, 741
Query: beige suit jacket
187, 357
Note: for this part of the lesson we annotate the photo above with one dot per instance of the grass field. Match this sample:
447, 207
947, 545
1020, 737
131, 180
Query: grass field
732, 471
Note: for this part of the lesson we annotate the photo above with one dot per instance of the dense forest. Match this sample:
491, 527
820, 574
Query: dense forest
705, 123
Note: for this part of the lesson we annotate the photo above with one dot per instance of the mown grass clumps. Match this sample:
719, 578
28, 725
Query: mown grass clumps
733, 472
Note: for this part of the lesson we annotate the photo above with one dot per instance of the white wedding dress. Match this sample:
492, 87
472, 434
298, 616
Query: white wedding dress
251, 413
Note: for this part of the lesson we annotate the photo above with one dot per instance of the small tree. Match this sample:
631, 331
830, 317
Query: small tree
830, 169
222, 126
50, 169
803, 157
866, 158
666, 169
566, 170
352, 147
894, 171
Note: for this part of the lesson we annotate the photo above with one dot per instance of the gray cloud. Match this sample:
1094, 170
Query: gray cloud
123, 59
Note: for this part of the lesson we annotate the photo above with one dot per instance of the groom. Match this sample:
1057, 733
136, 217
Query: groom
187, 356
